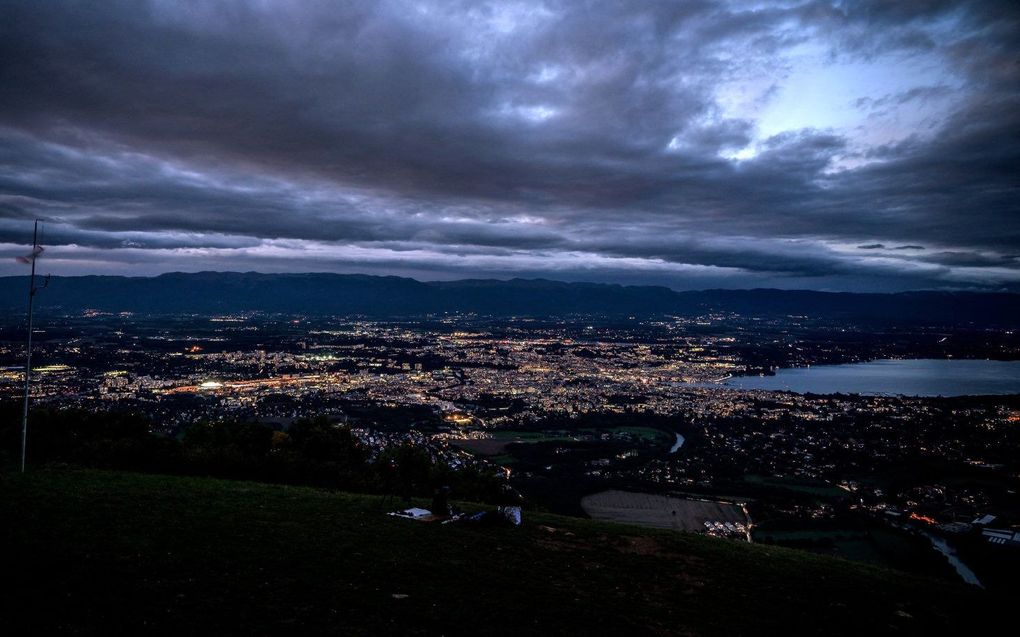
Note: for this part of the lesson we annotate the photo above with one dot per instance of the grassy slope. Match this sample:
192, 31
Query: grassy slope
97, 552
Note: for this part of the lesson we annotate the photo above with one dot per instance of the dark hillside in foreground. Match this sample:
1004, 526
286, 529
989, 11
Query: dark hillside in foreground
389, 296
117, 553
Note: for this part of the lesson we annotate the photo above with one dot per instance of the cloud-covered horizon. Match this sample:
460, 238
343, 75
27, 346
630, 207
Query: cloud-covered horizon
827, 145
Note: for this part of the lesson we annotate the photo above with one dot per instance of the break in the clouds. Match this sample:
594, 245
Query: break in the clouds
833, 145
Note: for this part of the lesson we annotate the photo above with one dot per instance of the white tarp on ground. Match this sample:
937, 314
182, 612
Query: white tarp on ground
412, 513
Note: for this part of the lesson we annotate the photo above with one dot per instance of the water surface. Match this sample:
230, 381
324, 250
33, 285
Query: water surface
911, 377
676, 445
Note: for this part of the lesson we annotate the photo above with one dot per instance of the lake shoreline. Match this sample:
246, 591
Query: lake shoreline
930, 378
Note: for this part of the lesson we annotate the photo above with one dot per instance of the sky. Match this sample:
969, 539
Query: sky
858, 146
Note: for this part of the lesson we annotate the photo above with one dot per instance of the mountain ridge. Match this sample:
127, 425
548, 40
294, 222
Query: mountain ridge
316, 293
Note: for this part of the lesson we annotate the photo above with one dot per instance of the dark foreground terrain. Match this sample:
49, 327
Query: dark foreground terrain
88, 552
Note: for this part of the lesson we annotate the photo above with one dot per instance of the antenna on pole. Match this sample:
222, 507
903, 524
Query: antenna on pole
32, 289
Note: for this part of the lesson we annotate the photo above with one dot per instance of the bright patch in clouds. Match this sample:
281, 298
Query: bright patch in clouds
871, 102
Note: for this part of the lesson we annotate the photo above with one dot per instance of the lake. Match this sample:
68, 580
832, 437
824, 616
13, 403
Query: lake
914, 377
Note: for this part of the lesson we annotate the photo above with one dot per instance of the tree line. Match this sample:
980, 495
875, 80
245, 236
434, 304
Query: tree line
311, 451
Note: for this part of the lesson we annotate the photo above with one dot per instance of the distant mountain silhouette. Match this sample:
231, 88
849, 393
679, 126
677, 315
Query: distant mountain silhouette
389, 296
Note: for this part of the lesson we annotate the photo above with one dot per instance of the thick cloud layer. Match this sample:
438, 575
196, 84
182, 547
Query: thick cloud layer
792, 144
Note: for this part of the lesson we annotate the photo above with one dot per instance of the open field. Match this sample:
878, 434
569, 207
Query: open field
89, 552
483, 446
645, 434
875, 545
498, 441
816, 489
659, 511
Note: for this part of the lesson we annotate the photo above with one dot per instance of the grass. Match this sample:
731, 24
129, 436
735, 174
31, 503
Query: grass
791, 484
877, 545
88, 552
785, 536
646, 434
525, 436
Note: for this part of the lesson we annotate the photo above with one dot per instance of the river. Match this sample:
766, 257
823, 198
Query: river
676, 445
945, 548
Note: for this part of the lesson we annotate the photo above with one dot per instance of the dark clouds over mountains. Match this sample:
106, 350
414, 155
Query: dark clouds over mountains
792, 144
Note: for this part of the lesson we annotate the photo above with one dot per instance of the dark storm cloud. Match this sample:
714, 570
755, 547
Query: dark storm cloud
591, 140
922, 93
972, 259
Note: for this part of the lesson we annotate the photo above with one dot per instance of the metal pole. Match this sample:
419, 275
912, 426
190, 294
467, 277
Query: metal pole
28, 356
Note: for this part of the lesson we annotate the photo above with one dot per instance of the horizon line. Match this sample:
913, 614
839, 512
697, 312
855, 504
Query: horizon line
524, 279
